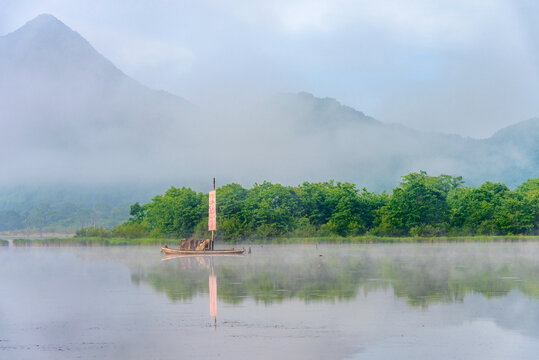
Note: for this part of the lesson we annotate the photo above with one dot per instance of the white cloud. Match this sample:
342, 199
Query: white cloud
459, 21
135, 52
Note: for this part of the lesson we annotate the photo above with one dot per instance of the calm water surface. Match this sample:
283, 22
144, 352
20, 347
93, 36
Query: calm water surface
417, 301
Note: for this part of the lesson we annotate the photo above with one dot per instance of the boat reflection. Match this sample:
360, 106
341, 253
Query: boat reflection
188, 263
198, 256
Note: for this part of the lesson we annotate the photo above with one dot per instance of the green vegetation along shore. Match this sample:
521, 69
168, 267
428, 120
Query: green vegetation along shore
421, 206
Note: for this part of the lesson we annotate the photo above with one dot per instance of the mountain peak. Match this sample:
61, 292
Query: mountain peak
44, 23
45, 46
45, 31
45, 18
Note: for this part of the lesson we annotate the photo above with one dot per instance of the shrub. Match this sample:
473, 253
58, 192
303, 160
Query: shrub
93, 232
131, 230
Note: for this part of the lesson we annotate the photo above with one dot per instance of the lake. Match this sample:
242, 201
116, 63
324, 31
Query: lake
365, 301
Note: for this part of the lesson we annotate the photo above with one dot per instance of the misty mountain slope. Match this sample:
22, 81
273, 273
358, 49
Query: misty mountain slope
308, 110
69, 115
305, 137
63, 104
524, 134
513, 152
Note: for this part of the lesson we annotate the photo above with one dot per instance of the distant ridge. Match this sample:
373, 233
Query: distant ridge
307, 107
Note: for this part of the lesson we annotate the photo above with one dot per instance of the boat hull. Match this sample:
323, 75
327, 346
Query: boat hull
167, 250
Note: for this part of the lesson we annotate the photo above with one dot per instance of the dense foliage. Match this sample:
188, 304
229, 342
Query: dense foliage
421, 205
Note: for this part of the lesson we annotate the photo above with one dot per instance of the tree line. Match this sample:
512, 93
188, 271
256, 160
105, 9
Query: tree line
44, 217
421, 205
67, 207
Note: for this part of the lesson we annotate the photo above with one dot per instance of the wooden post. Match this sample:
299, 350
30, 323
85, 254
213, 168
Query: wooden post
212, 232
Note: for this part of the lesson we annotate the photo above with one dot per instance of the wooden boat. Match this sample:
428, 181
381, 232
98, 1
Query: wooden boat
169, 251
196, 256
206, 247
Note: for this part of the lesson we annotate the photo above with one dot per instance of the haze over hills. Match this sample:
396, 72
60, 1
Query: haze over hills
69, 116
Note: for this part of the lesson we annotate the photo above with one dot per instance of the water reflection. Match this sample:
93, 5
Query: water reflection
421, 275
375, 301
203, 262
212, 284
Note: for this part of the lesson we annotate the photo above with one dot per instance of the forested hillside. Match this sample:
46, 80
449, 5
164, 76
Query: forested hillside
64, 208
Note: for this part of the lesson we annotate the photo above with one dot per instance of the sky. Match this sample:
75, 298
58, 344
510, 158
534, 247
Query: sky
465, 67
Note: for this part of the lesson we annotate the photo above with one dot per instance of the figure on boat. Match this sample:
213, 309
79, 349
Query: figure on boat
195, 244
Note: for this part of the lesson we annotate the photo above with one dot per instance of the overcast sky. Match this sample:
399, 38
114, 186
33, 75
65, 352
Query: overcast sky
467, 67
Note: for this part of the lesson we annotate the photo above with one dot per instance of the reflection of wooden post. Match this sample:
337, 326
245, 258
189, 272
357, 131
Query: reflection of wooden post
213, 295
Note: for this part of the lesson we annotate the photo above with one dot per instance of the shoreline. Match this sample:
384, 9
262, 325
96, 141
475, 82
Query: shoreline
10, 235
96, 241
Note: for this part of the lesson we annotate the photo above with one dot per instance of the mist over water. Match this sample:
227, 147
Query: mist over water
355, 301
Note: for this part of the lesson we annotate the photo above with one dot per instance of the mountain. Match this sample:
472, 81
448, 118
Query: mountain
512, 153
69, 112
69, 116
354, 147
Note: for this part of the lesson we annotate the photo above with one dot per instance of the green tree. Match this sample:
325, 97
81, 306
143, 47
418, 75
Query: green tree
518, 212
137, 213
317, 201
347, 218
419, 201
230, 202
473, 209
270, 209
176, 213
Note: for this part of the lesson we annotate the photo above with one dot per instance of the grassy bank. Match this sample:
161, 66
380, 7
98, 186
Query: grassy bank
4, 242
389, 240
97, 241
91, 241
